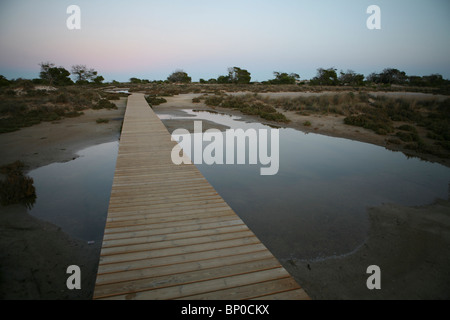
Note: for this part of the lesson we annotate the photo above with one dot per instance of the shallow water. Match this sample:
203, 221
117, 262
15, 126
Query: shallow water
75, 195
316, 206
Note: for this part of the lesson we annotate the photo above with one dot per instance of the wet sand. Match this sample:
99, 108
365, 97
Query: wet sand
411, 245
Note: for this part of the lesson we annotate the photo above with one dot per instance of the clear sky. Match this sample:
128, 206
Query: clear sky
150, 39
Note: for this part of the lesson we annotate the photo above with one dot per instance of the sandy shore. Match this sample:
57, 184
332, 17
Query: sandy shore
34, 254
410, 245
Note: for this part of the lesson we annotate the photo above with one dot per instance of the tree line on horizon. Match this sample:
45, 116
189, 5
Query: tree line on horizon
59, 76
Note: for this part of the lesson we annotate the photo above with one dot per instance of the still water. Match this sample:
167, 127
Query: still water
316, 205
75, 195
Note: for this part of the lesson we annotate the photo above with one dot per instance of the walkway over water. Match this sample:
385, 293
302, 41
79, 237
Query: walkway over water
169, 235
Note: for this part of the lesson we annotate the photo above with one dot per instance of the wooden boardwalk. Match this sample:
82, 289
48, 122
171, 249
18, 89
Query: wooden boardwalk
169, 235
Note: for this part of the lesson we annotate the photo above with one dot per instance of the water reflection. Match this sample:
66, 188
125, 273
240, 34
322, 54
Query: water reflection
75, 195
316, 205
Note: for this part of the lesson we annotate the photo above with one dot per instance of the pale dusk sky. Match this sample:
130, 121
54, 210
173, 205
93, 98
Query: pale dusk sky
150, 39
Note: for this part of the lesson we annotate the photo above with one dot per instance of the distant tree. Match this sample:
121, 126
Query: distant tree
52, 75
393, 76
203, 81
179, 76
83, 74
223, 79
98, 80
416, 81
325, 77
433, 80
284, 78
212, 81
239, 76
388, 76
44, 74
135, 80
4, 82
374, 78
351, 78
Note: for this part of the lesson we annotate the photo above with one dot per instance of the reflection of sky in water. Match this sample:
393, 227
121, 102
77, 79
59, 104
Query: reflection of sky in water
316, 205
75, 195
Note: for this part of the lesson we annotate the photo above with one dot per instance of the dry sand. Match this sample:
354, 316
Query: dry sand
411, 245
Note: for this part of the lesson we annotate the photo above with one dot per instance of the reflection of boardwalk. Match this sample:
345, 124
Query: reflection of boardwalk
169, 235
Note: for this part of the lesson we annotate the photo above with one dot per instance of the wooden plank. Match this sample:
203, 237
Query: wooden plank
190, 277
175, 226
270, 289
194, 288
177, 259
171, 251
173, 236
297, 294
180, 268
144, 231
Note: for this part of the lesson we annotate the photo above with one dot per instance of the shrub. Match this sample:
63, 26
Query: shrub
376, 123
62, 98
104, 104
213, 101
155, 101
407, 127
17, 188
407, 136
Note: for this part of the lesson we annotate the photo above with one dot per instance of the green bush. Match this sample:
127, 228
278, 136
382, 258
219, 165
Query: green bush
17, 188
407, 136
214, 101
376, 123
407, 127
155, 101
62, 98
104, 104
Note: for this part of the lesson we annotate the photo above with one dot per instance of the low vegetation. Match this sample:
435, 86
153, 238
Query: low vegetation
419, 125
247, 104
154, 100
16, 188
23, 107
102, 120
104, 104
382, 114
